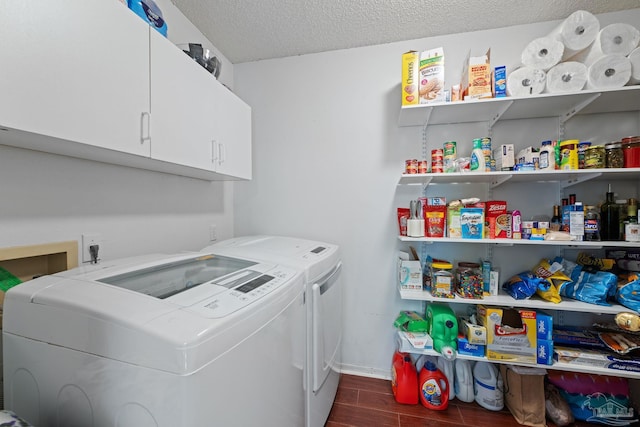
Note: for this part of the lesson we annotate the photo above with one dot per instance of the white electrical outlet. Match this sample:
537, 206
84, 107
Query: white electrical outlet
213, 233
89, 239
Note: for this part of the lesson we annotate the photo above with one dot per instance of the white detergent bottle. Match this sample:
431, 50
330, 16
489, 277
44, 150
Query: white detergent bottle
463, 383
447, 368
487, 386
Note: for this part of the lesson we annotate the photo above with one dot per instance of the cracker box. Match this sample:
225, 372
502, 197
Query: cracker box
511, 333
410, 74
431, 86
476, 79
497, 221
472, 223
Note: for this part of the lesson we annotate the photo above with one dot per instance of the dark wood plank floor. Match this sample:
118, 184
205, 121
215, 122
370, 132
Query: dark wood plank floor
369, 402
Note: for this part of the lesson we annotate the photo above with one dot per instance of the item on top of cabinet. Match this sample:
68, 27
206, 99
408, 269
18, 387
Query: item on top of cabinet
566, 77
443, 328
542, 53
202, 56
526, 81
431, 75
614, 39
404, 379
577, 32
149, 11
410, 78
476, 76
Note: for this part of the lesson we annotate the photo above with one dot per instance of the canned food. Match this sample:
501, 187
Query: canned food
486, 150
594, 157
614, 157
411, 166
437, 163
569, 154
423, 166
449, 156
582, 147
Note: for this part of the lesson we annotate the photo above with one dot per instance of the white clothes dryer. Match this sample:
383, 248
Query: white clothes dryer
321, 265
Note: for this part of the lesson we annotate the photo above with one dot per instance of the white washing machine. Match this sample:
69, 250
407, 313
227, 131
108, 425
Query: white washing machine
189, 340
321, 265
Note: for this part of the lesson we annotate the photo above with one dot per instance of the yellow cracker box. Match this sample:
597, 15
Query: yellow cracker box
410, 82
511, 333
431, 86
476, 78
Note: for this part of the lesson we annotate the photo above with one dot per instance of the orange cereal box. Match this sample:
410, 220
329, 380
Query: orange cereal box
498, 222
410, 74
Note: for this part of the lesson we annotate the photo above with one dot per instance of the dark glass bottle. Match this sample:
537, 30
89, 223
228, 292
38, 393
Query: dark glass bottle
610, 218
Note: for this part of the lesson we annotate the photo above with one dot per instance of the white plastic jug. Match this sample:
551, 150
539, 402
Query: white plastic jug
463, 384
487, 386
447, 368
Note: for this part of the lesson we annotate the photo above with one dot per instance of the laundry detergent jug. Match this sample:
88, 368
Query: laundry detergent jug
443, 328
487, 386
434, 387
463, 383
446, 366
404, 379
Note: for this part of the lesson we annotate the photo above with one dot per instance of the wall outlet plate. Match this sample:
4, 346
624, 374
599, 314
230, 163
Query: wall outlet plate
89, 239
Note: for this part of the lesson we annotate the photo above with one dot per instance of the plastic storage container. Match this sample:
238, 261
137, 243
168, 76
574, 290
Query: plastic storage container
442, 279
469, 280
614, 157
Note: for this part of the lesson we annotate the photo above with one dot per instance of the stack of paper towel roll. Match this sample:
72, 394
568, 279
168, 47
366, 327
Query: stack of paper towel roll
578, 54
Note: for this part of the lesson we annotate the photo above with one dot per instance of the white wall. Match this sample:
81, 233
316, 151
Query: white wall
48, 198
328, 154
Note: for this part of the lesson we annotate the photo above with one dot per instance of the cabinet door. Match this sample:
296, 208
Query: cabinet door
182, 107
233, 135
76, 70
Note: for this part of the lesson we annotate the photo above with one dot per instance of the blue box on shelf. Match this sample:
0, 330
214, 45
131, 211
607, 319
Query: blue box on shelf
544, 326
467, 349
544, 352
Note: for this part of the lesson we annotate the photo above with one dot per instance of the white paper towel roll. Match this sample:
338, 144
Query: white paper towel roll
613, 39
609, 72
576, 32
542, 53
566, 77
634, 58
526, 81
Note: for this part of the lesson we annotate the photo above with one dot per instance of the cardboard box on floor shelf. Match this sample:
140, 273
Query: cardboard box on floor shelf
432, 76
476, 81
511, 333
409, 272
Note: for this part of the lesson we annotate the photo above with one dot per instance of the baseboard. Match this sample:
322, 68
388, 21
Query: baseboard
384, 374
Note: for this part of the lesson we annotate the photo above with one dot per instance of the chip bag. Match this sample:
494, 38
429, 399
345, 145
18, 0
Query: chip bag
552, 272
524, 285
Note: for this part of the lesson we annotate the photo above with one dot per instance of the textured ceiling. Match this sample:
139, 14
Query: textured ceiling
251, 30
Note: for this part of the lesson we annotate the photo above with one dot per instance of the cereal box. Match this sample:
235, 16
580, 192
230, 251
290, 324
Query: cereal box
431, 86
472, 223
476, 77
410, 82
497, 221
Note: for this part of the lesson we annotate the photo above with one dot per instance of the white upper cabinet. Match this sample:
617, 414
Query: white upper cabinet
90, 79
76, 70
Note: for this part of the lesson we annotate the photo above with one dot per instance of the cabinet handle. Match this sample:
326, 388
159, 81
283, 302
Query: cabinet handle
145, 127
214, 151
223, 154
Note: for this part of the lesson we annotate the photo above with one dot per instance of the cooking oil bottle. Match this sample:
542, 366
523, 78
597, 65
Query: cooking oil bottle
610, 218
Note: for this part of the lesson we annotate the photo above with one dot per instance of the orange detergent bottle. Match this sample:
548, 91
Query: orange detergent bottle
434, 387
404, 379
